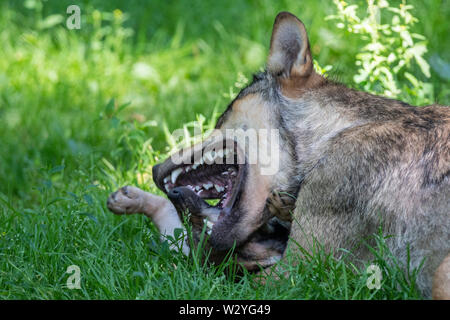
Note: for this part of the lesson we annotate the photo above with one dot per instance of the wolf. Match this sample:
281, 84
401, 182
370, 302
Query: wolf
349, 163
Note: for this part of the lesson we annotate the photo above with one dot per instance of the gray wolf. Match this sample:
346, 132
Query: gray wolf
349, 162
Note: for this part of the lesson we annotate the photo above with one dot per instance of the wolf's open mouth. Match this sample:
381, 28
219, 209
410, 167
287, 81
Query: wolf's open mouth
217, 175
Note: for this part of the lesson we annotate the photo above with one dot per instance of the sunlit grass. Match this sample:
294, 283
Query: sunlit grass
83, 112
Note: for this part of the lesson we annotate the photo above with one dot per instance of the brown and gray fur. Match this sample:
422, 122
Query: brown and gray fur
353, 161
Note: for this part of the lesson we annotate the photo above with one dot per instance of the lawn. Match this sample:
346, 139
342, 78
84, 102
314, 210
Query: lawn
83, 112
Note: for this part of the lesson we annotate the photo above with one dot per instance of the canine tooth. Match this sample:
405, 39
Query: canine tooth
209, 224
175, 174
197, 188
208, 157
202, 161
218, 188
166, 186
207, 186
218, 157
166, 179
195, 166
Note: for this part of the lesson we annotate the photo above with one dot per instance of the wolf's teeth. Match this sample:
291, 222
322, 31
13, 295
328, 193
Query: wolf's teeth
227, 152
208, 157
175, 174
207, 186
218, 158
209, 224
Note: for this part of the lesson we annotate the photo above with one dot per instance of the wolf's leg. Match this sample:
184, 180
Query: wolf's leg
129, 200
441, 281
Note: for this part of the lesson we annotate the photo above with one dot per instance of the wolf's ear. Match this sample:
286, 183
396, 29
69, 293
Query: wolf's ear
289, 54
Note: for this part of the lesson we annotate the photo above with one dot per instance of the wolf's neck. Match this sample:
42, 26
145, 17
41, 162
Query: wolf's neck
313, 122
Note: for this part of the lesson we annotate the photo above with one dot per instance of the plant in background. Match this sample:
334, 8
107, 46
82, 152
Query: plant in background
386, 61
240, 83
195, 131
192, 132
322, 71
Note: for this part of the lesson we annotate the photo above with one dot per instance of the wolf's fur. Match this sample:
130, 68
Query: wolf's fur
352, 160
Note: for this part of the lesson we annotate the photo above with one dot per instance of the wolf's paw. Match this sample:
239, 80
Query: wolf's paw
126, 200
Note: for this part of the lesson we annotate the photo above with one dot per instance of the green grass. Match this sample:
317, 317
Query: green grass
83, 112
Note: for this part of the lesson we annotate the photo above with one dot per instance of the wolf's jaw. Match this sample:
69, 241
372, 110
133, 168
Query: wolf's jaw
210, 178
213, 181
211, 157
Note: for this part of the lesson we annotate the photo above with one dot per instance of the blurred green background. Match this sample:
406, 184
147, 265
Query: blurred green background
83, 112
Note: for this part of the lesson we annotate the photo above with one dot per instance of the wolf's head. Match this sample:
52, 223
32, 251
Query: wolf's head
248, 163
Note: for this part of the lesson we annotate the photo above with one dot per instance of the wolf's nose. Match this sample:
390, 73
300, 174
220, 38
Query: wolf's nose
174, 194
